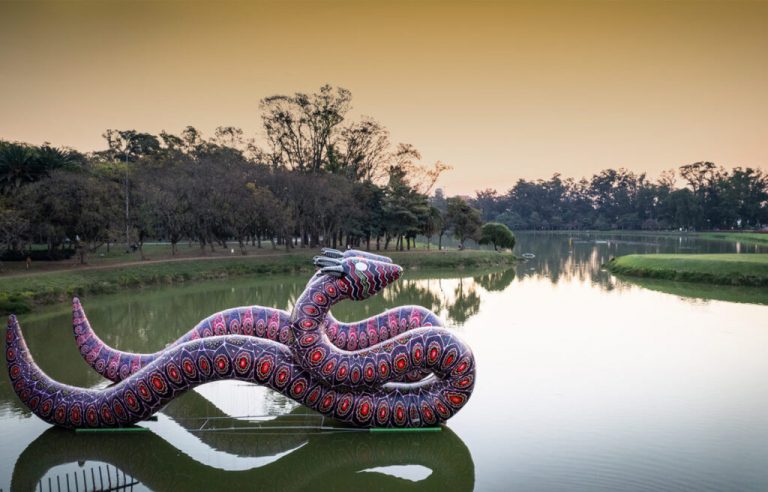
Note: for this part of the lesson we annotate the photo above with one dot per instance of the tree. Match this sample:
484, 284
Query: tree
300, 128
71, 207
432, 222
498, 235
363, 151
22, 164
464, 220
14, 230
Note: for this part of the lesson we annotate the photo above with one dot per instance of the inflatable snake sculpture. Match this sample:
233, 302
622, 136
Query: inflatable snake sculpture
354, 386
259, 321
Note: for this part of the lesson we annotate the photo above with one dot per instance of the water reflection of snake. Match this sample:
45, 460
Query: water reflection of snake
161, 466
326, 462
350, 386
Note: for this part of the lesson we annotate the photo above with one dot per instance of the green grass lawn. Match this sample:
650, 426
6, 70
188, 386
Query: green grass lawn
724, 269
744, 237
21, 291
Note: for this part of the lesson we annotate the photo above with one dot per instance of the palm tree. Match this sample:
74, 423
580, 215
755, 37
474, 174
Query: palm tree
21, 163
17, 166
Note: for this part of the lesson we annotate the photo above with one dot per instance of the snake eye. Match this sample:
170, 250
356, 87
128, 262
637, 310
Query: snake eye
361, 266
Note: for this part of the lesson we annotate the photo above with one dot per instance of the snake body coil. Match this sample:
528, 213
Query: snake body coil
301, 356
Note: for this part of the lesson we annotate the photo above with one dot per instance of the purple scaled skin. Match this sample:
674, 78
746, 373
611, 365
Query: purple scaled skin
295, 371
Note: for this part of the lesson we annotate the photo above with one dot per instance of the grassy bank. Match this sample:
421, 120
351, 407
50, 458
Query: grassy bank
752, 238
742, 237
21, 293
723, 269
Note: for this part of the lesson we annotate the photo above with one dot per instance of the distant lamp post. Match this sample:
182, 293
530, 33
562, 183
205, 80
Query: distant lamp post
127, 213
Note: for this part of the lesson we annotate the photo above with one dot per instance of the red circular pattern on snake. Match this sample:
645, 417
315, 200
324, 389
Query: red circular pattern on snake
144, 391
45, 408
298, 387
417, 353
449, 358
60, 414
158, 383
119, 410
341, 373
173, 373
328, 367
309, 310
131, 401
355, 375
75, 414
463, 382
243, 362
204, 364
382, 414
383, 369
265, 367
463, 365
399, 413
189, 368
316, 355
33, 403
327, 401
91, 416
345, 405
106, 414
221, 363
433, 354
455, 399
369, 372
282, 376
307, 340
314, 395
401, 362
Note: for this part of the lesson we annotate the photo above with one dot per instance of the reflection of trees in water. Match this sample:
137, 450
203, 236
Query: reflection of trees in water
466, 303
134, 324
557, 257
580, 256
454, 298
323, 461
417, 292
496, 281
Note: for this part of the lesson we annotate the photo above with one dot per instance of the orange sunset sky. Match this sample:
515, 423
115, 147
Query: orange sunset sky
499, 90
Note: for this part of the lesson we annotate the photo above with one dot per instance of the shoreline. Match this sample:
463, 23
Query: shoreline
747, 270
29, 291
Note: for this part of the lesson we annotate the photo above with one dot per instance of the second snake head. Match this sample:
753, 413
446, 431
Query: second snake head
360, 278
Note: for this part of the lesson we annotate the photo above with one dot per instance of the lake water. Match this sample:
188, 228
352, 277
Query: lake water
585, 382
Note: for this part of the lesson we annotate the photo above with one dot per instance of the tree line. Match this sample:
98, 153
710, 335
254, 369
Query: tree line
320, 180
698, 196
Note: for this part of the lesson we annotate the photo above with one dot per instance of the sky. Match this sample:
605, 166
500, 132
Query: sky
498, 90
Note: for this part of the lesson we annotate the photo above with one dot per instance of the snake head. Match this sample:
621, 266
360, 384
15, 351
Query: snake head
356, 253
359, 277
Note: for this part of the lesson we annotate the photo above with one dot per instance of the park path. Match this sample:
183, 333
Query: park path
75, 267
114, 266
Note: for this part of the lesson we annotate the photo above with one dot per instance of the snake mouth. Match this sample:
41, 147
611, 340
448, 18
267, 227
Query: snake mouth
354, 253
